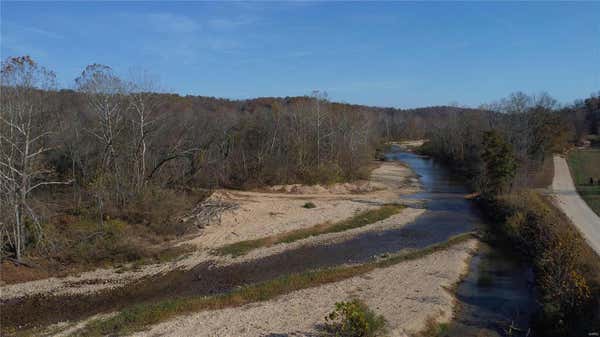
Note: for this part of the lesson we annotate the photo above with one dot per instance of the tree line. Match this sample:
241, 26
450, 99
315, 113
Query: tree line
78, 166
506, 154
113, 140
507, 146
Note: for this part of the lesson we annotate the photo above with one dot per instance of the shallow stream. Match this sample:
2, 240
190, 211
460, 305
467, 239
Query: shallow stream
448, 214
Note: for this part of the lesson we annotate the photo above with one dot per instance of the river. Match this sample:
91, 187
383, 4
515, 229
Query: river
496, 297
503, 297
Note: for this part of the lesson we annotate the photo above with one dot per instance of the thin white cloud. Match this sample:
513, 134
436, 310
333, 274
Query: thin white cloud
180, 52
191, 49
172, 23
230, 23
188, 39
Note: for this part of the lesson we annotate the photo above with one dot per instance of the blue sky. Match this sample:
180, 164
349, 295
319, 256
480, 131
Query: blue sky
384, 54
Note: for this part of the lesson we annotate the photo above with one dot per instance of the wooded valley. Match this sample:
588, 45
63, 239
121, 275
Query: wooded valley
112, 148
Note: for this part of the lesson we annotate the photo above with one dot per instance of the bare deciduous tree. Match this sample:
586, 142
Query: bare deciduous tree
104, 92
24, 130
144, 102
320, 97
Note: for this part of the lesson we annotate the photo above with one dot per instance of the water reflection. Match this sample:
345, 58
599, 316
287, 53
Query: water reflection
495, 298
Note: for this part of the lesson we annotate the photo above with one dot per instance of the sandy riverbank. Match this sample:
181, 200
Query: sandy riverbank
407, 294
259, 214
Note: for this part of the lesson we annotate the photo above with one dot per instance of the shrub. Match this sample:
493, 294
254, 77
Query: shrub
309, 205
566, 274
354, 319
158, 208
81, 242
325, 174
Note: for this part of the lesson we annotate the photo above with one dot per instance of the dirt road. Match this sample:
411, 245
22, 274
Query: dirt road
573, 205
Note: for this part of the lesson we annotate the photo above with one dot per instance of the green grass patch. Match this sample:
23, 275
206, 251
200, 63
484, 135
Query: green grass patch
585, 164
140, 316
358, 220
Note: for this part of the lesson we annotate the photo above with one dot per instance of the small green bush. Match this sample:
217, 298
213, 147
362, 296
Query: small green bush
309, 205
354, 319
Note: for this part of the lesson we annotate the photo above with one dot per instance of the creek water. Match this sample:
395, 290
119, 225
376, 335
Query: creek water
496, 297
448, 214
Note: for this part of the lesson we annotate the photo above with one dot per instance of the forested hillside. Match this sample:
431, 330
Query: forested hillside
116, 150
84, 170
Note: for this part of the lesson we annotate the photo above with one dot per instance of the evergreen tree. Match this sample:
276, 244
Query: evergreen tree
499, 164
